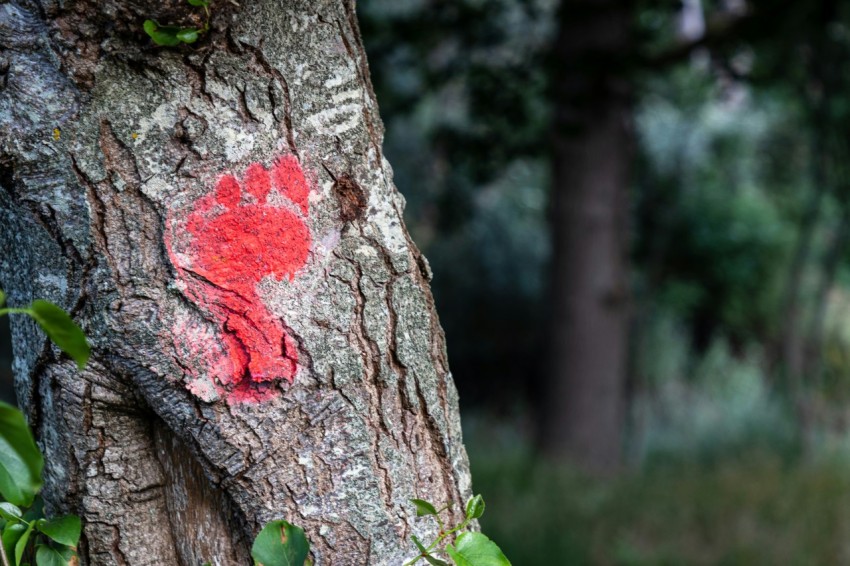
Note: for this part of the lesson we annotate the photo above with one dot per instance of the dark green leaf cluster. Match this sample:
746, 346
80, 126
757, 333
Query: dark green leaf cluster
53, 541
20, 460
26, 534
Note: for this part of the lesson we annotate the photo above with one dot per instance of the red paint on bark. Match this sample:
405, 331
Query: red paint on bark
231, 240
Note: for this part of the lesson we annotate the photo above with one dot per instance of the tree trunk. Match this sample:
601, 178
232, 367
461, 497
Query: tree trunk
836, 250
221, 221
592, 154
818, 89
788, 355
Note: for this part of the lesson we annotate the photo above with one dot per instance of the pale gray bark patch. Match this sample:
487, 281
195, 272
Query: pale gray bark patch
372, 417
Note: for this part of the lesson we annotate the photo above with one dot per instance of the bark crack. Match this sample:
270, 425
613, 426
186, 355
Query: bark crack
370, 354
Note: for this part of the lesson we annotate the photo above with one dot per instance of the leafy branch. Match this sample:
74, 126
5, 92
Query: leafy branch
470, 548
25, 531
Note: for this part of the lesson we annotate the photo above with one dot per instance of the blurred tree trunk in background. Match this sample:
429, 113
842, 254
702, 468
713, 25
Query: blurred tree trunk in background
800, 310
182, 436
839, 175
788, 357
592, 142
813, 362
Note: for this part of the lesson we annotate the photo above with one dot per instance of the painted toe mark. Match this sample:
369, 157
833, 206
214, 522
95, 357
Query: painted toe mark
223, 249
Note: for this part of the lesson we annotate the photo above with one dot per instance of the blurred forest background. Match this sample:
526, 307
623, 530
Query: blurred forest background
638, 219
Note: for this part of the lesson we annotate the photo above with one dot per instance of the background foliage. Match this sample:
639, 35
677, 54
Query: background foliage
731, 460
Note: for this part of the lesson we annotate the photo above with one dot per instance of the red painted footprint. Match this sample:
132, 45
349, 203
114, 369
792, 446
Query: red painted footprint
230, 241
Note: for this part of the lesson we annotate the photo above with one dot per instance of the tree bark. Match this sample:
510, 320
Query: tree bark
592, 153
288, 367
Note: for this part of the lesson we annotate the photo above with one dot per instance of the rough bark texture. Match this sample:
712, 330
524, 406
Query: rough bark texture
592, 152
105, 143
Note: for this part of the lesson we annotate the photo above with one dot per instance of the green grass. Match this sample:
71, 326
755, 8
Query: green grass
753, 507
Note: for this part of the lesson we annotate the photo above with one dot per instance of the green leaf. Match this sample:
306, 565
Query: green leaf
150, 27
475, 549
162, 35
64, 530
11, 534
62, 330
2, 298
280, 544
35, 511
67, 553
20, 460
419, 544
21, 545
423, 507
10, 512
46, 556
199, 2
475, 507
188, 35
